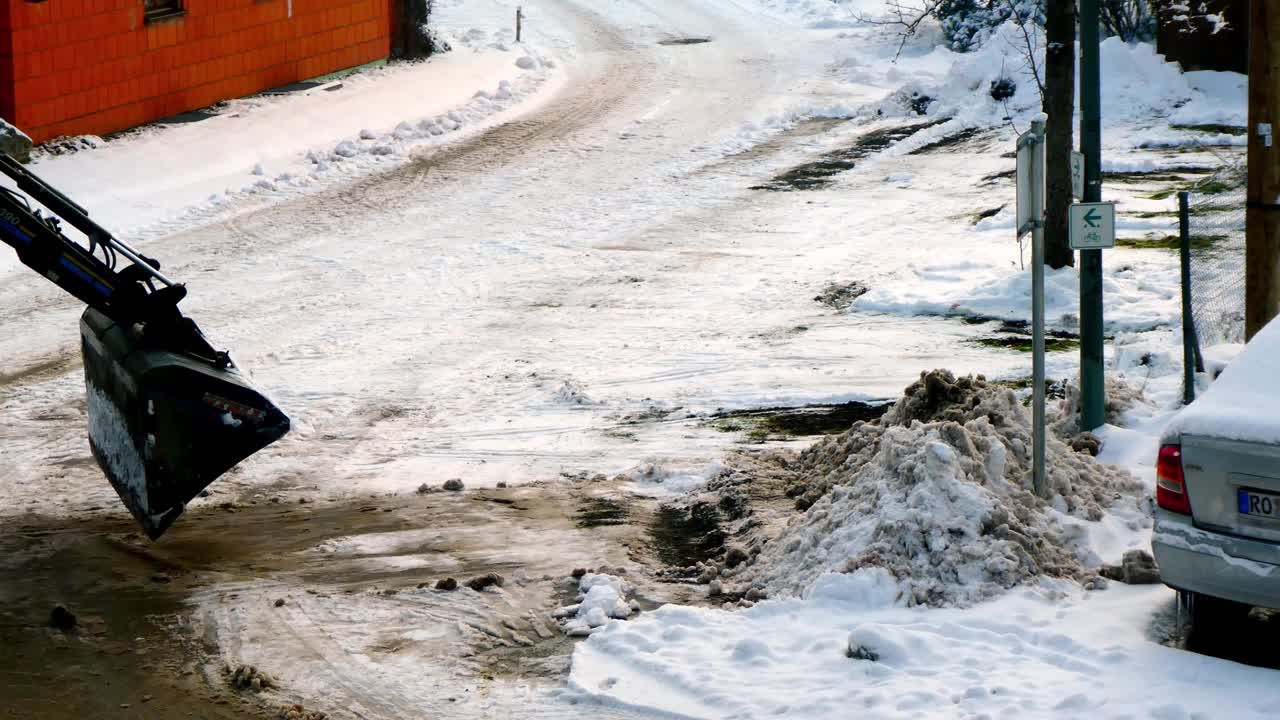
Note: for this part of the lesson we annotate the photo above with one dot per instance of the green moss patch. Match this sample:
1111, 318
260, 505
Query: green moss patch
1170, 242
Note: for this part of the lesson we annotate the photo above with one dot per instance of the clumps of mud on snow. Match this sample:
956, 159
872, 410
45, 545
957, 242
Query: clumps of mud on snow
487, 580
841, 296
248, 677
937, 491
298, 712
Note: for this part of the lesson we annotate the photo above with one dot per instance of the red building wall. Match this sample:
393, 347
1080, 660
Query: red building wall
70, 67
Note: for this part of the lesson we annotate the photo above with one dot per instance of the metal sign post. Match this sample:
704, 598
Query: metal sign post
1030, 218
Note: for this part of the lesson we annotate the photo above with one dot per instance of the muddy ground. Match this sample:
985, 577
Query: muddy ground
333, 600
156, 622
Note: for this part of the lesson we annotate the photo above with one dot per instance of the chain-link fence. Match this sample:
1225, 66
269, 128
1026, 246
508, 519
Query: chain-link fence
1212, 234
1216, 224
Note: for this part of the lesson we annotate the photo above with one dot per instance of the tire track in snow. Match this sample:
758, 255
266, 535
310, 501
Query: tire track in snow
356, 637
605, 90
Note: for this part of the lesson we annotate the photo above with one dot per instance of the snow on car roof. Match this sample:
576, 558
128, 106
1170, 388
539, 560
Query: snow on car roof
1242, 403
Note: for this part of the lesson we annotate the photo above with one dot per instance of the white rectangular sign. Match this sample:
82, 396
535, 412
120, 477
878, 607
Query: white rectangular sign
1093, 225
1077, 175
1025, 223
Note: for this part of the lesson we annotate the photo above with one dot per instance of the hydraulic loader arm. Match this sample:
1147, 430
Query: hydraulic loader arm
168, 413
127, 295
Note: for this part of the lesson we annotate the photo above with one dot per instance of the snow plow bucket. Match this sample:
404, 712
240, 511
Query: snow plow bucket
165, 422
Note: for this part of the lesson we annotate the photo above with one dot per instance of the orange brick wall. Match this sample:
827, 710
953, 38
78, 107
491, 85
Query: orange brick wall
70, 67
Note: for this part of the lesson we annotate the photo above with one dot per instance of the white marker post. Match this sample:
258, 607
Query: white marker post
1030, 204
1077, 175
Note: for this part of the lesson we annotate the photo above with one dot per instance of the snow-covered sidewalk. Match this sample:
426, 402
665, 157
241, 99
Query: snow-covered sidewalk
163, 178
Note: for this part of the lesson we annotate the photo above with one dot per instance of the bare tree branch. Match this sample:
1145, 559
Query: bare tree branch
1029, 52
906, 15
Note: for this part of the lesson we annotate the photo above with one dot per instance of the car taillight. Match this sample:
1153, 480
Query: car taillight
1171, 486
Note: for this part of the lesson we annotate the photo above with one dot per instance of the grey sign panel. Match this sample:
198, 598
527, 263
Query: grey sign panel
1027, 146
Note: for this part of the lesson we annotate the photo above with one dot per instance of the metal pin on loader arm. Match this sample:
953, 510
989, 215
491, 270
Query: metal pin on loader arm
70, 211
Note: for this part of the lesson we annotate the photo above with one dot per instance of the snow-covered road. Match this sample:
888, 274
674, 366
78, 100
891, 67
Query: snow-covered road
506, 308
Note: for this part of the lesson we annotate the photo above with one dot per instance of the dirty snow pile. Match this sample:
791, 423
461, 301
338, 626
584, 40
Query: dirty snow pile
601, 597
938, 493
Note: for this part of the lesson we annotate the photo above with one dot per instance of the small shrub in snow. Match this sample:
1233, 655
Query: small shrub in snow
1003, 88
860, 652
919, 103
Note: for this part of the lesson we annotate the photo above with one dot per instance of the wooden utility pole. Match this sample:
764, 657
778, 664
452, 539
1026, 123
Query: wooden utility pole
1262, 223
1093, 389
1059, 105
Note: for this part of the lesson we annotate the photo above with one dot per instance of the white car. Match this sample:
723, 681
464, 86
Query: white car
1217, 526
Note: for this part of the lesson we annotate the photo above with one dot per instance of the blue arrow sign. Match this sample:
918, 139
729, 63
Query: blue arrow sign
1092, 217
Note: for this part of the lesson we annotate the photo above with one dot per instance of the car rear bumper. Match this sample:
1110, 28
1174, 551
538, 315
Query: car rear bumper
1224, 566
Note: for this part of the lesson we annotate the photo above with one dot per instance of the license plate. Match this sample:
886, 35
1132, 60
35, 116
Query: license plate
1258, 504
